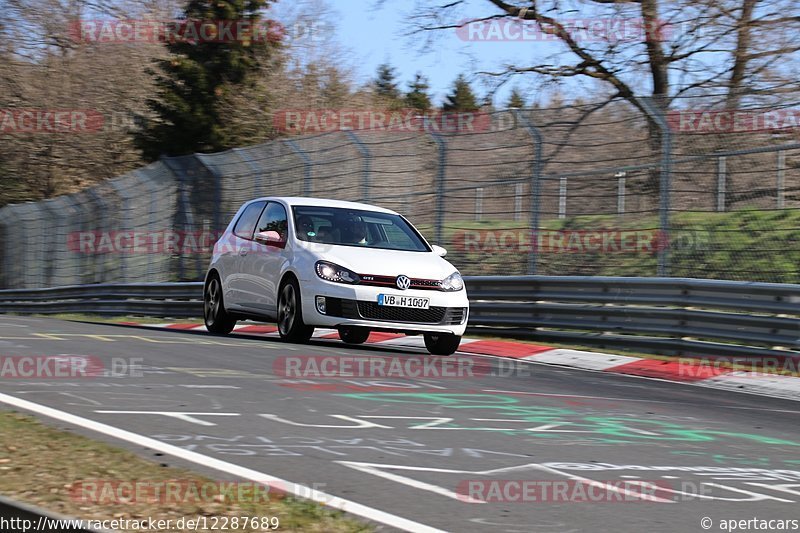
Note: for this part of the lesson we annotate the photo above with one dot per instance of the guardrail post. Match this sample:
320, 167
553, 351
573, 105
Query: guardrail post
536, 186
367, 168
780, 193
722, 183
307, 164
440, 178
665, 179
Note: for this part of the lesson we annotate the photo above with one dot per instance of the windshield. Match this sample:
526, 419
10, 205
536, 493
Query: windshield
355, 227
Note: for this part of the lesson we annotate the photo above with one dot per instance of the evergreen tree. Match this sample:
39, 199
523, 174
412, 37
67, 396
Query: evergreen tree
417, 96
462, 98
194, 82
515, 100
385, 84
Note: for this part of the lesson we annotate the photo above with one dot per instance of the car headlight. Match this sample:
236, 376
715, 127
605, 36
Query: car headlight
333, 272
452, 283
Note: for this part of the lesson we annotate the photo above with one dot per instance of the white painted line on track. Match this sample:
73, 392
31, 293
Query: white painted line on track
295, 489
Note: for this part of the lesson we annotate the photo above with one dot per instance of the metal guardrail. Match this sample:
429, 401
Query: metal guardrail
671, 316
25, 517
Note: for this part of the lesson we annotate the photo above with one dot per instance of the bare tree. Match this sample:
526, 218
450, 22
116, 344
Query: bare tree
729, 50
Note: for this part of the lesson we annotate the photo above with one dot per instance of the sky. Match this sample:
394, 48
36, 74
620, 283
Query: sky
374, 32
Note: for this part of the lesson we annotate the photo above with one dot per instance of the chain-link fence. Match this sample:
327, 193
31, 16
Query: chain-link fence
607, 189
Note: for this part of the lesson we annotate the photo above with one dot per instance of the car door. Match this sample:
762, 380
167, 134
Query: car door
242, 246
265, 264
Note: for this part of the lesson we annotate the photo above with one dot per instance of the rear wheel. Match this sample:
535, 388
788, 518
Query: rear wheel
353, 334
290, 314
442, 343
216, 318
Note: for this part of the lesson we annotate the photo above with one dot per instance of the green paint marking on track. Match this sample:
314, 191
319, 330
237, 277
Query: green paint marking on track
606, 429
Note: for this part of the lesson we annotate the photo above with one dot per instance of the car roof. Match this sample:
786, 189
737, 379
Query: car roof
323, 202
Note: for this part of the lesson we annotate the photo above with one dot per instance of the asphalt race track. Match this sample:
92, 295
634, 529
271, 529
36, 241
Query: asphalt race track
416, 448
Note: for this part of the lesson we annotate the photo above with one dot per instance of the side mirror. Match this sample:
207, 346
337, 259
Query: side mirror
270, 238
438, 250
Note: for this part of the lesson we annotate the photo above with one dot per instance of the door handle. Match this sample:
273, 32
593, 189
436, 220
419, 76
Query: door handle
243, 252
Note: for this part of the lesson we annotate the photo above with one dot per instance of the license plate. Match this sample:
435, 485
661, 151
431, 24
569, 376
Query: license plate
403, 301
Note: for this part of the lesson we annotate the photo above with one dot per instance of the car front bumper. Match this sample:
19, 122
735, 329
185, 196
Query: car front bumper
356, 305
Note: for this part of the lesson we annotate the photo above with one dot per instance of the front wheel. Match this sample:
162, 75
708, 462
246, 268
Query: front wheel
442, 343
353, 335
290, 314
216, 318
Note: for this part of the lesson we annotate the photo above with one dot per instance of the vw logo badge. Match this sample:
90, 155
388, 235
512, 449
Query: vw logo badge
403, 282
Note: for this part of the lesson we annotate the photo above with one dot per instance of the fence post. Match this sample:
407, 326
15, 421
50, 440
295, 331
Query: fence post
781, 179
536, 186
722, 182
217, 213
78, 219
478, 203
440, 177
100, 268
665, 179
362, 148
621, 191
152, 188
518, 201
562, 197
307, 164
126, 207
5, 247
256, 173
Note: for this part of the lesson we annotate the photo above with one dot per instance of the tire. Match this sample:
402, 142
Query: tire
291, 327
353, 334
217, 319
442, 343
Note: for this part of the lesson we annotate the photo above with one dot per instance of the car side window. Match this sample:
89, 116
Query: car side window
274, 218
247, 222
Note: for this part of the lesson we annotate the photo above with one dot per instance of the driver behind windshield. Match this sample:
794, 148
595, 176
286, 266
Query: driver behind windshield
354, 231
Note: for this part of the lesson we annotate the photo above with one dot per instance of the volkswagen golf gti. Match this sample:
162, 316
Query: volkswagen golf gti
306, 263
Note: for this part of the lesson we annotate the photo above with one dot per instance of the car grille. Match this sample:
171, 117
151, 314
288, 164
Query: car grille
391, 281
373, 311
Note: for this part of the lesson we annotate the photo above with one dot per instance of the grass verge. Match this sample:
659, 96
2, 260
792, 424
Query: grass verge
44, 466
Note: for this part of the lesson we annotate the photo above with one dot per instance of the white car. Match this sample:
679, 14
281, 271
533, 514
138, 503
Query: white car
306, 263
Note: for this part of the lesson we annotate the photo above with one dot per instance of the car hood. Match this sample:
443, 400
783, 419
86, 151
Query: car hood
423, 265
